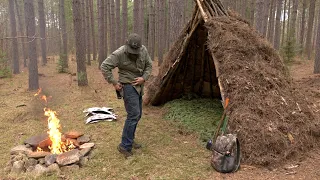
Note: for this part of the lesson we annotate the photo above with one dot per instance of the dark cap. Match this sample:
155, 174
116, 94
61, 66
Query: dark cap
134, 43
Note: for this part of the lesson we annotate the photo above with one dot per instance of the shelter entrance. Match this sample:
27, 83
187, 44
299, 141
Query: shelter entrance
195, 73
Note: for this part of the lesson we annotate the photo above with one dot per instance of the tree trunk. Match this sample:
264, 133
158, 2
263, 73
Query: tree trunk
114, 40
124, 20
15, 50
84, 27
42, 24
22, 33
31, 33
271, 21
303, 24
278, 25
284, 22
88, 32
136, 17
252, 8
6, 42
64, 53
101, 32
225, 3
176, 15
314, 34
2, 42
94, 50
259, 16
243, 6
57, 32
289, 20
141, 22
247, 4
118, 25
185, 12
98, 32
294, 20
52, 47
156, 25
265, 17
151, 29
310, 28
162, 16
80, 46
317, 58
108, 29
236, 6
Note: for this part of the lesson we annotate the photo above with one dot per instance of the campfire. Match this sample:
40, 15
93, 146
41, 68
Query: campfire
50, 152
57, 145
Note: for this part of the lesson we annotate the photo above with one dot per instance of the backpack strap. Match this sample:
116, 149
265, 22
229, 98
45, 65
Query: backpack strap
237, 163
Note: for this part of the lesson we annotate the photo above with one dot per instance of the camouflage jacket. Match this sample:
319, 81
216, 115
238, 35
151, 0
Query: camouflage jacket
128, 69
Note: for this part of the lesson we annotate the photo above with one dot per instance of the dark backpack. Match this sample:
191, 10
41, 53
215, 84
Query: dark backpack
226, 154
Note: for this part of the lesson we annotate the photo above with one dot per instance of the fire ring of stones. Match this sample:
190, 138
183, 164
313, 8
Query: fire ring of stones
26, 159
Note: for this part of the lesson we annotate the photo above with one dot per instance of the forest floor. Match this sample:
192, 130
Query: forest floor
166, 153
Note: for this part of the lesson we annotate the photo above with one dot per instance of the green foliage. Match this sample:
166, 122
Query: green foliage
198, 115
82, 77
62, 65
5, 71
68, 12
289, 50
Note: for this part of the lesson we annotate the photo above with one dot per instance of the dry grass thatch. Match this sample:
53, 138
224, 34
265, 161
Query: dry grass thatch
272, 119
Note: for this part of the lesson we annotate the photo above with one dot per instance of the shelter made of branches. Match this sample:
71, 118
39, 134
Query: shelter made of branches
190, 68
219, 55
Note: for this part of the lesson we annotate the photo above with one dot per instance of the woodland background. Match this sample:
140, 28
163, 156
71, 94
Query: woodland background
93, 29
73, 37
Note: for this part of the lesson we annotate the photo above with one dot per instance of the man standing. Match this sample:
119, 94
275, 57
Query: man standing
135, 66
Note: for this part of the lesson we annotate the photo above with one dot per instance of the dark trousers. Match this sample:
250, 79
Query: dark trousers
133, 105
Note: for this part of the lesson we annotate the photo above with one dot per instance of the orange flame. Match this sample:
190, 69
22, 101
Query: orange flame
39, 149
44, 98
57, 146
54, 132
39, 91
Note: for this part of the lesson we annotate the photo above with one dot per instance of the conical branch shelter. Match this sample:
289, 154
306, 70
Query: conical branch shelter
219, 55
194, 70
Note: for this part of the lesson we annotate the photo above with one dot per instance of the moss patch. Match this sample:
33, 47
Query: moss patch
197, 115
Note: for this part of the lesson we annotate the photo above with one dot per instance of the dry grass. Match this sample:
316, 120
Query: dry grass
166, 153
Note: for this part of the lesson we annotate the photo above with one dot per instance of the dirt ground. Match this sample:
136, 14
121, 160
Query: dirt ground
167, 154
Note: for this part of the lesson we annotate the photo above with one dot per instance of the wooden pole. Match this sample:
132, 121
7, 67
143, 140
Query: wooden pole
204, 15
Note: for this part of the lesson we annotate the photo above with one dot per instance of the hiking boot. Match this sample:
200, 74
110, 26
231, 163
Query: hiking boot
136, 145
123, 151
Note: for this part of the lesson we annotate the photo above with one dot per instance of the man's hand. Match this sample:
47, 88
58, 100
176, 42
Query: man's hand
117, 86
138, 81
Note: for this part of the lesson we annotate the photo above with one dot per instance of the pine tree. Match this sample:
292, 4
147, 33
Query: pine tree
42, 25
101, 32
15, 50
80, 46
63, 62
31, 33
